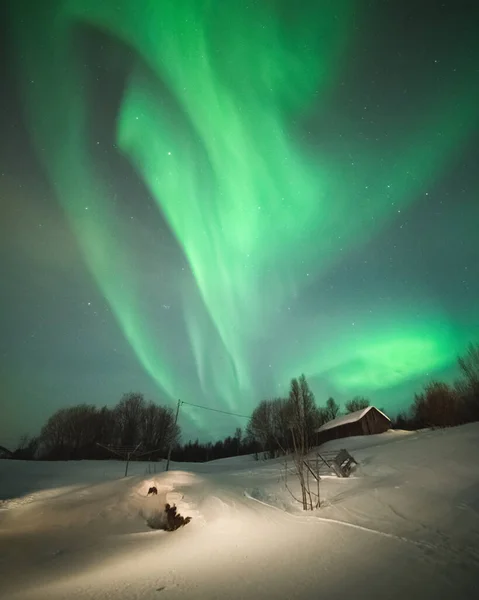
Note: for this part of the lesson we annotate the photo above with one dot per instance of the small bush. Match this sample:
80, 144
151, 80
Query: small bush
167, 520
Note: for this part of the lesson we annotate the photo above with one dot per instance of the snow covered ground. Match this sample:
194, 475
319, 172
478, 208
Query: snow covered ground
405, 524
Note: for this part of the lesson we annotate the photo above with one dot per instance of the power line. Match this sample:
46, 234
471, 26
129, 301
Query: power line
224, 412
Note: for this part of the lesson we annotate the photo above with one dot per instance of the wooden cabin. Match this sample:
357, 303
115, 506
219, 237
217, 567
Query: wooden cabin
367, 421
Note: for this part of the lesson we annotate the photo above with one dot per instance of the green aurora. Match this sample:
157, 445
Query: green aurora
257, 211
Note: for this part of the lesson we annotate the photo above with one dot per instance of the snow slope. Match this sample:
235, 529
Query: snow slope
405, 523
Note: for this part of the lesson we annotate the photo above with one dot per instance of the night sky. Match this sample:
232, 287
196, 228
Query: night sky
204, 198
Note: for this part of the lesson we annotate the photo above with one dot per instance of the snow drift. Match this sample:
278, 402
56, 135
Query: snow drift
406, 523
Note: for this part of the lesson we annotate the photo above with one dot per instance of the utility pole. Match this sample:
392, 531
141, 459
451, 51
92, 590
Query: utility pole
171, 442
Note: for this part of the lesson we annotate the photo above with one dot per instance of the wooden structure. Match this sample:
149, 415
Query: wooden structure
367, 421
337, 463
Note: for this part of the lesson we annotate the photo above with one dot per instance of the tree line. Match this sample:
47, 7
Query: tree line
87, 432
277, 426
235, 445
444, 405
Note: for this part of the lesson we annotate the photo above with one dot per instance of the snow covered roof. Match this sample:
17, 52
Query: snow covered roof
350, 418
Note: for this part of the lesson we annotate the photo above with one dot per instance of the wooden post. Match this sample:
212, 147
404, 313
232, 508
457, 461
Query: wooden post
171, 442
128, 456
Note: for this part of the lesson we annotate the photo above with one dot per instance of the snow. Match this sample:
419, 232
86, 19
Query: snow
406, 523
349, 418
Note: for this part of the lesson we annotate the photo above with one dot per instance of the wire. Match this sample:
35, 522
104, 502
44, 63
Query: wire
215, 410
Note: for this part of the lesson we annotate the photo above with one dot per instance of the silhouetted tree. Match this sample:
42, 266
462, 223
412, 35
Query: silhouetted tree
238, 437
27, 448
105, 429
331, 411
83, 431
438, 406
157, 428
71, 433
54, 435
469, 366
129, 414
304, 417
269, 425
468, 385
357, 403
403, 421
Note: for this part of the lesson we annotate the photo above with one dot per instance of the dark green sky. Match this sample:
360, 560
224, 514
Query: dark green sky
203, 199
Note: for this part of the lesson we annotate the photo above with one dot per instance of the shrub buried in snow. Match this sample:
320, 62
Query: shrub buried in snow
168, 520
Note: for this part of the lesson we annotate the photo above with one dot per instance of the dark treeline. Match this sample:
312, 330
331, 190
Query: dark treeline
83, 431
444, 405
235, 445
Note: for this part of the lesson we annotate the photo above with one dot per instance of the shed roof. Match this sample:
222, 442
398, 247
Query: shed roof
349, 418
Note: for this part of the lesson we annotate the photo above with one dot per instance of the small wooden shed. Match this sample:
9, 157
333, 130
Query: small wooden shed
367, 421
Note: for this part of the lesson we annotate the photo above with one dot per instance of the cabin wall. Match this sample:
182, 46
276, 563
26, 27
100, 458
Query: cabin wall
343, 431
374, 422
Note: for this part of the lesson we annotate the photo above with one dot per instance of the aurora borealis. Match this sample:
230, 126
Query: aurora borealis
206, 198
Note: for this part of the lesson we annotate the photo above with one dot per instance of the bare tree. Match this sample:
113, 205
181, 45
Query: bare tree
357, 403
469, 366
238, 437
260, 426
105, 426
303, 420
438, 406
69, 430
128, 417
238, 434
150, 424
331, 411
23, 442
26, 449
53, 436
157, 427
468, 385
81, 422
82, 431
269, 426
